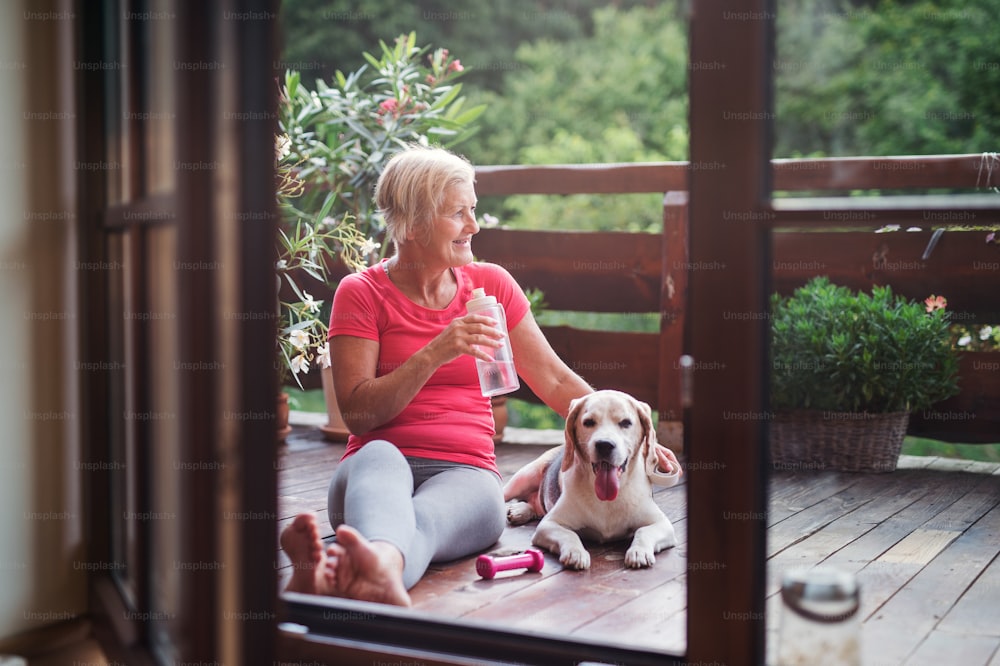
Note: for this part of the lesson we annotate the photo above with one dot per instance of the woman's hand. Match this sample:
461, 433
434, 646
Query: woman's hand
466, 335
666, 460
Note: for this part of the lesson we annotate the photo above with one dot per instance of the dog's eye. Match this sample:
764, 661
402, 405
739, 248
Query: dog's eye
589, 423
625, 423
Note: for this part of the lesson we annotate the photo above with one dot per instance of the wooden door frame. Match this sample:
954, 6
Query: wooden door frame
730, 127
228, 612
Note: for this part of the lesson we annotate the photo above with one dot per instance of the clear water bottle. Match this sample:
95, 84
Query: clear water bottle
819, 619
497, 376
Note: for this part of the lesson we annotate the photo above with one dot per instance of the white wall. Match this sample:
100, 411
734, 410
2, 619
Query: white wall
42, 571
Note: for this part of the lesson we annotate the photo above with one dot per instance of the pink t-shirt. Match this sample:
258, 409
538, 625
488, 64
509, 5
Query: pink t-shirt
449, 419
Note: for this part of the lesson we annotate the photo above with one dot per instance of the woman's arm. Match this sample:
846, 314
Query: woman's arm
367, 401
554, 382
541, 368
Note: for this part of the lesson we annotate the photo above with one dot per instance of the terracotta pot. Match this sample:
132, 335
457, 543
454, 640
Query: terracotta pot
335, 430
281, 417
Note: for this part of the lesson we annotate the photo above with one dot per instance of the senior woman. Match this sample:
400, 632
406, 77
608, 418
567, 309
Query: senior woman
418, 482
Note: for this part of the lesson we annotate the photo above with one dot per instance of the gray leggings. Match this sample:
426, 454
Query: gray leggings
432, 511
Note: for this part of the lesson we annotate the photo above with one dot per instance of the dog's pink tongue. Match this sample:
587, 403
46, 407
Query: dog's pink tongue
606, 485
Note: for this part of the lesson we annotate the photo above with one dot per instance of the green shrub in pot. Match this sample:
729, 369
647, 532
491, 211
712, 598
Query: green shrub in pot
836, 350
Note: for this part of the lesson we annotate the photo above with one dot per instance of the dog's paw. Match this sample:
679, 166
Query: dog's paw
575, 558
639, 558
519, 513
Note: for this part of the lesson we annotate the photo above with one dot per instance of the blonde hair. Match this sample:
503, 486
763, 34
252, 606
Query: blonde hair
410, 190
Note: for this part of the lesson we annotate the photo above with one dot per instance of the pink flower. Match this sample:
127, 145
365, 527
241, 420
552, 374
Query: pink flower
455, 66
388, 106
936, 303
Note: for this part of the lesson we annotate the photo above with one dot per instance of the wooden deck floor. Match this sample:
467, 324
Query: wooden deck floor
923, 542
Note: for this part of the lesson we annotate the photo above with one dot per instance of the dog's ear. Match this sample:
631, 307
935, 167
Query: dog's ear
648, 441
575, 406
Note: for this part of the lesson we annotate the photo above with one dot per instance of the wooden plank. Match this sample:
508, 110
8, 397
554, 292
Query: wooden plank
950, 505
919, 547
598, 271
983, 493
609, 360
849, 543
655, 619
943, 647
865, 173
730, 112
819, 546
824, 174
653, 177
794, 492
290, 506
947, 497
958, 268
861, 212
798, 527
912, 462
895, 629
673, 308
978, 611
606, 360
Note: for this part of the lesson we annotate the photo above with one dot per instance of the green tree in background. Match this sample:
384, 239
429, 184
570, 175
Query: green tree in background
930, 79
630, 75
617, 96
332, 34
887, 77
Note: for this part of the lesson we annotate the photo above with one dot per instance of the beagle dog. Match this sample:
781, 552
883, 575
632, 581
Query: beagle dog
599, 484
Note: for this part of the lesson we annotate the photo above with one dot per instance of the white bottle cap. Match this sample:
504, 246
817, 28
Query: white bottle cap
480, 300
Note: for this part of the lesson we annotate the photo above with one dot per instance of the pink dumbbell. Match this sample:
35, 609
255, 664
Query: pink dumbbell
487, 566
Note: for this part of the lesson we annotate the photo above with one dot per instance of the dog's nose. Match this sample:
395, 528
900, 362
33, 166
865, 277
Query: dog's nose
604, 447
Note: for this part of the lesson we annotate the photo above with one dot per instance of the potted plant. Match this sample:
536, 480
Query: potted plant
334, 142
846, 371
305, 243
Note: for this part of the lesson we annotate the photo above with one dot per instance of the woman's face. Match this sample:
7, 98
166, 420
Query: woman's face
449, 239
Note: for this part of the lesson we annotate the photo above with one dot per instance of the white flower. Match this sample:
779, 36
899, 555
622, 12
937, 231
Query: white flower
964, 340
282, 146
329, 221
308, 301
369, 246
300, 364
299, 339
281, 264
985, 332
323, 355
490, 220
914, 229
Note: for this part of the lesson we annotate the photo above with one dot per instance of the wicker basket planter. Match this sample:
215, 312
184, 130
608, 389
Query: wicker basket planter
845, 441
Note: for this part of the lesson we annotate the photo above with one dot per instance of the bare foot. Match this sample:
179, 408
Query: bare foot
301, 542
366, 570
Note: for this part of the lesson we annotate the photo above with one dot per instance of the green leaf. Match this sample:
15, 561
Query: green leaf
470, 115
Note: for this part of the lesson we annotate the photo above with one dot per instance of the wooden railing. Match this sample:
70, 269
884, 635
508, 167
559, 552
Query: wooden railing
635, 273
